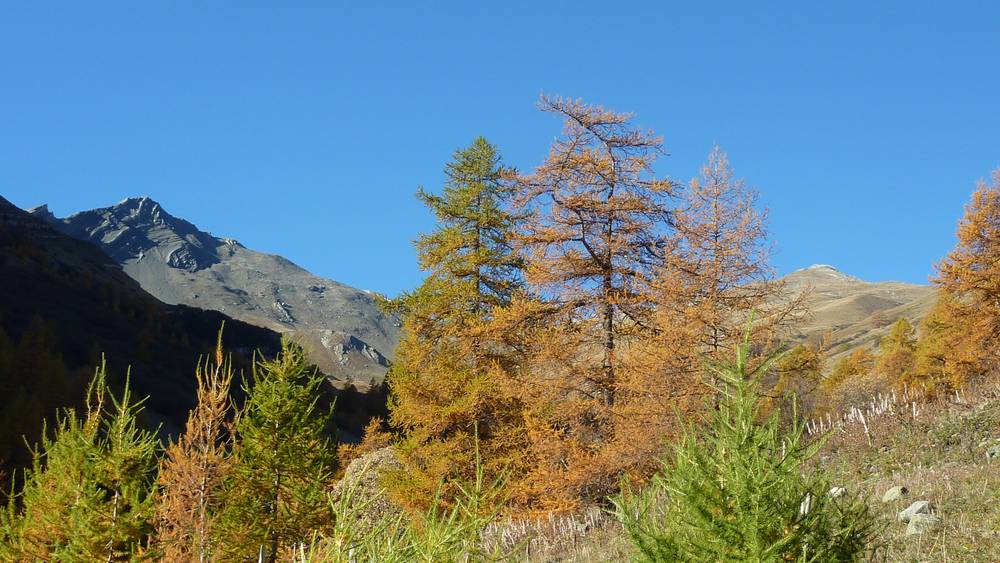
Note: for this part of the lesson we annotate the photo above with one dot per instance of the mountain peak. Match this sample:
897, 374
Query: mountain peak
143, 209
137, 225
180, 264
826, 271
42, 212
823, 267
138, 201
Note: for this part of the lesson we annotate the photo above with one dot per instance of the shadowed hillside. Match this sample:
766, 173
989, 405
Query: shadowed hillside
65, 303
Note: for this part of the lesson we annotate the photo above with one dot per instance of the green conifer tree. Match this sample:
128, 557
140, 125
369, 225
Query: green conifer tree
446, 378
87, 496
739, 490
282, 464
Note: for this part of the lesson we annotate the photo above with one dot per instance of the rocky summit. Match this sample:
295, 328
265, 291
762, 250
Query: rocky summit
340, 327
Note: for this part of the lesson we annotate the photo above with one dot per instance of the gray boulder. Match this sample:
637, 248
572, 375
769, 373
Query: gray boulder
918, 507
895, 493
920, 523
360, 494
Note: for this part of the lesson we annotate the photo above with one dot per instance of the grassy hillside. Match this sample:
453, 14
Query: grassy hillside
847, 313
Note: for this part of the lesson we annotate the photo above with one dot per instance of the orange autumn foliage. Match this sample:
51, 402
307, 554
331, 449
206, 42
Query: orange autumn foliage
969, 277
718, 270
449, 397
597, 224
193, 469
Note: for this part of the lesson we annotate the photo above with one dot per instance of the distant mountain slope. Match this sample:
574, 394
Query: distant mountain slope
852, 312
64, 303
341, 328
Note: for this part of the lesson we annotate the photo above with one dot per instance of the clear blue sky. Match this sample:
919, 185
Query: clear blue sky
304, 128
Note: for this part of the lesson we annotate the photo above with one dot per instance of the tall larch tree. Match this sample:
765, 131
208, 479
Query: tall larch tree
598, 222
193, 469
715, 271
448, 389
276, 492
718, 270
597, 226
970, 277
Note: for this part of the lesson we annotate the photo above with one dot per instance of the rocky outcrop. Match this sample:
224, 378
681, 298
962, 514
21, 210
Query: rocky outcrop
360, 491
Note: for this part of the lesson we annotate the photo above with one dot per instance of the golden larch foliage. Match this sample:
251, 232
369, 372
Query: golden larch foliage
193, 468
858, 364
597, 226
449, 393
969, 276
897, 351
945, 358
718, 270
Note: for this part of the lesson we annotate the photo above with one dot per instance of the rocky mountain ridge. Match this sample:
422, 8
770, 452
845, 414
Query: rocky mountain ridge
340, 326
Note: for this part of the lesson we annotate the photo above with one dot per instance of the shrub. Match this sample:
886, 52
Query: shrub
737, 489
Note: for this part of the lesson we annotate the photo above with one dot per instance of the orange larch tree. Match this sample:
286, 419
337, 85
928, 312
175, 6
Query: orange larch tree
598, 223
597, 226
970, 277
718, 269
715, 272
193, 468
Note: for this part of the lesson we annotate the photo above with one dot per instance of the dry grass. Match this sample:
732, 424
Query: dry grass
939, 454
591, 535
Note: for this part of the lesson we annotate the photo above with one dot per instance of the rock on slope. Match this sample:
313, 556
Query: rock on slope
851, 312
341, 328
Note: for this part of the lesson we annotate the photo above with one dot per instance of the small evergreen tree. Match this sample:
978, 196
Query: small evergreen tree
738, 490
282, 463
87, 496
